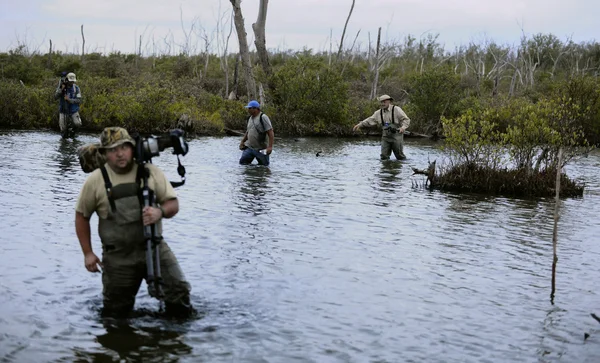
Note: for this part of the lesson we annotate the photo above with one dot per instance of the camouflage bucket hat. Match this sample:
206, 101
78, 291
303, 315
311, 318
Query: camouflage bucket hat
90, 157
114, 136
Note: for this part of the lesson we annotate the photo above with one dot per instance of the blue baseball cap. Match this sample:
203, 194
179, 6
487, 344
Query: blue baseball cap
254, 104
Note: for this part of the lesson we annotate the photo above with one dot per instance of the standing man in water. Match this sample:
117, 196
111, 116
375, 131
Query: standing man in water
113, 191
69, 96
393, 122
255, 140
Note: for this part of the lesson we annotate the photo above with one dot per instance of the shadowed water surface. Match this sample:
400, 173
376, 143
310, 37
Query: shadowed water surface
336, 258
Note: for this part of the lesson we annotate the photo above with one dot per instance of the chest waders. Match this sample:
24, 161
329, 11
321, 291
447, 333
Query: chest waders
126, 230
391, 138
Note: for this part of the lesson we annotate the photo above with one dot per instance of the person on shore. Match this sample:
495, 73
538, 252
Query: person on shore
393, 122
113, 192
254, 143
69, 96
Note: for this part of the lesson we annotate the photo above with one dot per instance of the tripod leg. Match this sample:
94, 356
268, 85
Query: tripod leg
150, 268
158, 276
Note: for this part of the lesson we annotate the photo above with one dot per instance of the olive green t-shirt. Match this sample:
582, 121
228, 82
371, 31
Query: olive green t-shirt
92, 197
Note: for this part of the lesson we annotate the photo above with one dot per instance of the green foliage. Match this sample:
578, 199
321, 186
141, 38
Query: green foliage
517, 158
434, 94
581, 98
474, 178
472, 138
309, 97
313, 93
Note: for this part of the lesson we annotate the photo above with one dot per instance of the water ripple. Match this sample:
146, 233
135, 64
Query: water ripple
336, 258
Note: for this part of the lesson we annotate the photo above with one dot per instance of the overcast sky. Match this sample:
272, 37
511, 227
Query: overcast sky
111, 25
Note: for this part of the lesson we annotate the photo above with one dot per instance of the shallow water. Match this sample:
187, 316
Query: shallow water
336, 258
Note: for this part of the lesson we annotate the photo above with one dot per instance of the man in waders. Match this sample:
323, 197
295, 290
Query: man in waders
69, 95
393, 122
254, 141
113, 191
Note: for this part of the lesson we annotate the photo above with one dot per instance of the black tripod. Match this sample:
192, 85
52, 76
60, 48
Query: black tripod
154, 277
153, 274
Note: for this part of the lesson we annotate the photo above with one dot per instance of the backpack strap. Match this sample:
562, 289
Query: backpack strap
108, 187
262, 123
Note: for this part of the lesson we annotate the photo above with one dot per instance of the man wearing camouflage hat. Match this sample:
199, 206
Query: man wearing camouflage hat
393, 122
113, 192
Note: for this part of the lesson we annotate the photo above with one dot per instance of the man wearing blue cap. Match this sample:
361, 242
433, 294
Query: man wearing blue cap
254, 144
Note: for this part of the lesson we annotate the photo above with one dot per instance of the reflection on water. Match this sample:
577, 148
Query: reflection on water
254, 189
389, 174
329, 258
152, 342
66, 156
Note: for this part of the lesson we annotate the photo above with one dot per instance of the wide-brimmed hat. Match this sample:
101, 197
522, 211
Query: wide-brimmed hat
384, 97
71, 77
114, 136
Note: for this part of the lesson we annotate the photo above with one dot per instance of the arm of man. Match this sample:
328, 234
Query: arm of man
83, 230
58, 93
268, 128
77, 98
242, 146
271, 135
86, 206
369, 121
166, 197
401, 115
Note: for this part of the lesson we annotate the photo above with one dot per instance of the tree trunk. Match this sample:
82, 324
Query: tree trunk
261, 94
376, 79
555, 229
233, 94
260, 40
82, 44
49, 66
344, 32
244, 52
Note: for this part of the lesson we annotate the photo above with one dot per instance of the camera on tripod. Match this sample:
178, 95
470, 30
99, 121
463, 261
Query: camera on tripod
91, 156
151, 146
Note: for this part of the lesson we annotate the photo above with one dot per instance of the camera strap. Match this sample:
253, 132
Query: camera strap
108, 186
381, 114
181, 172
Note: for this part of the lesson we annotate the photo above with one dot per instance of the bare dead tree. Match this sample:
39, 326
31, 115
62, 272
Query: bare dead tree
224, 41
344, 32
376, 66
50, 55
330, 44
555, 229
260, 39
207, 43
244, 51
82, 44
351, 49
369, 48
234, 91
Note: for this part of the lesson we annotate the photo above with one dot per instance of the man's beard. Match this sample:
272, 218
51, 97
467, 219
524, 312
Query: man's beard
124, 170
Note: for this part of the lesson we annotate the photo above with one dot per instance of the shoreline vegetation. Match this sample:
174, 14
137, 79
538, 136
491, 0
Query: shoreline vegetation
503, 111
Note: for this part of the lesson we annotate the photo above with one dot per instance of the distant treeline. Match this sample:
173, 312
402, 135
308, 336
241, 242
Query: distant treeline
308, 93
